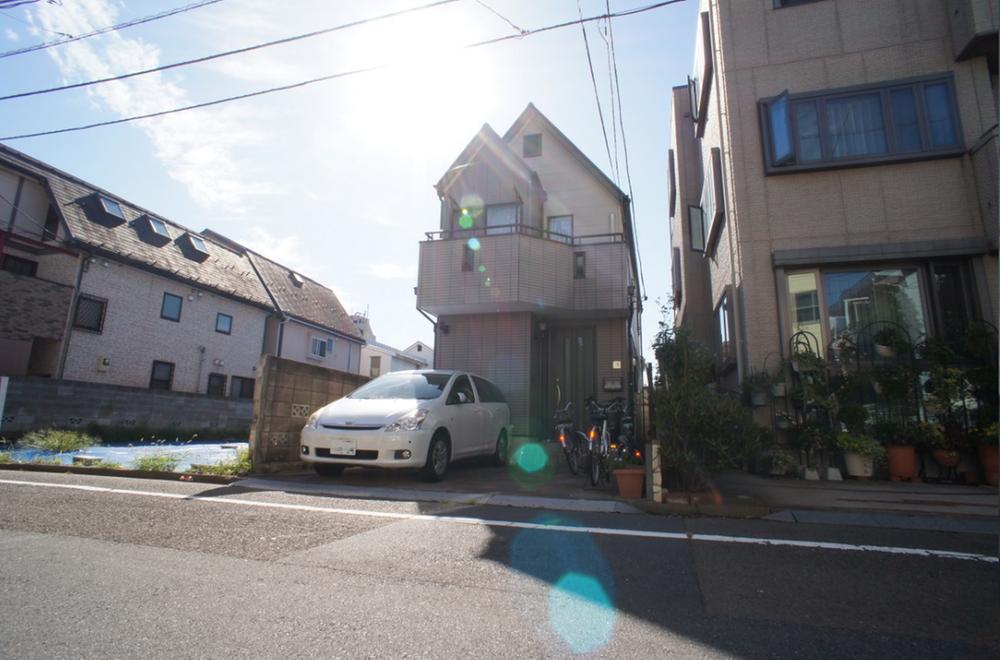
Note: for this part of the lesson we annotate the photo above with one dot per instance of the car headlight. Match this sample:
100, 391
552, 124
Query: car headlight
409, 422
313, 422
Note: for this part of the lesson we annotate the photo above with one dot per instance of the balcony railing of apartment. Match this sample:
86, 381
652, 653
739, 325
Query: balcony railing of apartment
525, 230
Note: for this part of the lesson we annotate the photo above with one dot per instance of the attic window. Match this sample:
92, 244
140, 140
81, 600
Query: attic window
197, 244
532, 145
157, 226
111, 207
297, 279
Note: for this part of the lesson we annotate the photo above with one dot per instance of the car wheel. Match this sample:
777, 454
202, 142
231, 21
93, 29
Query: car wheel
328, 469
502, 449
438, 456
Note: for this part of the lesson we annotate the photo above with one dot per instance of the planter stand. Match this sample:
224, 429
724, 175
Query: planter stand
810, 474
833, 474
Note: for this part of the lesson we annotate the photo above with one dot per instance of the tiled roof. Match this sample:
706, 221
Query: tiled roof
224, 270
310, 302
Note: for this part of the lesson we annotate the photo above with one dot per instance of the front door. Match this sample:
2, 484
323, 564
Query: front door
572, 371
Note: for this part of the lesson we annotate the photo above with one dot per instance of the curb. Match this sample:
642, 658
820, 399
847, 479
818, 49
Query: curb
133, 474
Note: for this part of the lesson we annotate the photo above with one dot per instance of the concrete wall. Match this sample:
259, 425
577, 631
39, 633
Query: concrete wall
296, 344
35, 403
287, 393
134, 335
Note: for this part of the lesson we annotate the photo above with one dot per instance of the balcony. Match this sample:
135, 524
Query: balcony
519, 268
973, 28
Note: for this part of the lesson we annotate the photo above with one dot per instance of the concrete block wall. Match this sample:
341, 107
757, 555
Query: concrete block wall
287, 393
36, 403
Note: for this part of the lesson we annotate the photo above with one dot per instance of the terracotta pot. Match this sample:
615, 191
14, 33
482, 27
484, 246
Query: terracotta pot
947, 458
862, 467
629, 482
902, 462
988, 459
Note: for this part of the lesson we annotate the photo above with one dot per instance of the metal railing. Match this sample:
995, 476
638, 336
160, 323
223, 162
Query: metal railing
525, 230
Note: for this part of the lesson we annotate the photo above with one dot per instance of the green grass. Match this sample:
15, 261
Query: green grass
157, 463
121, 434
58, 440
234, 467
4, 457
45, 460
107, 465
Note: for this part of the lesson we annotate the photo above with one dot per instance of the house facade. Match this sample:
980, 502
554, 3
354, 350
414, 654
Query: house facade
378, 358
834, 165
532, 273
419, 349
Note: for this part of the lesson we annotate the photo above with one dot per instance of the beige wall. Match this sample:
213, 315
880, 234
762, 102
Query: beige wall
32, 206
759, 52
134, 335
296, 344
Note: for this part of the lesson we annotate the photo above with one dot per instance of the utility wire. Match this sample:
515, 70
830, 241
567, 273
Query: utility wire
500, 16
593, 79
628, 172
109, 28
238, 51
343, 74
611, 93
29, 24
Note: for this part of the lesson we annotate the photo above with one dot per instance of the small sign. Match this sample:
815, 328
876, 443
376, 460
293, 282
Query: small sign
616, 364
613, 384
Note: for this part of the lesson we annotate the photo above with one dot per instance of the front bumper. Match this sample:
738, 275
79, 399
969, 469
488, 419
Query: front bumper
374, 448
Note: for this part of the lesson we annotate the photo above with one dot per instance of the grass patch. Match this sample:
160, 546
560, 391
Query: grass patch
157, 463
45, 460
107, 465
4, 457
233, 467
59, 440
143, 434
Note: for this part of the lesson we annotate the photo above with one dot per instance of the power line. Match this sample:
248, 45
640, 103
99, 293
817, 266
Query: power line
500, 16
343, 74
628, 171
611, 93
109, 28
593, 79
29, 23
268, 44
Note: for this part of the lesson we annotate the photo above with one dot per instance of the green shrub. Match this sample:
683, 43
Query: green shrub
157, 463
851, 443
233, 467
59, 440
5, 457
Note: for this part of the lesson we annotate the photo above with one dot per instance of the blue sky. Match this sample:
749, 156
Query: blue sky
336, 179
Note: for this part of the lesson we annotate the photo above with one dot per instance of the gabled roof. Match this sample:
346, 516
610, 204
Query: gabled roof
293, 294
487, 138
531, 112
223, 270
395, 352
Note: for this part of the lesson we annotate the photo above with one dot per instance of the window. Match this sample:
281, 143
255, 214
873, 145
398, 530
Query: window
89, 313
468, 258
241, 388
700, 80
462, 385
531, 146
196, 244
170, 308
317, 347
675, 277
896, 120
375, 368
712, 197
297, 279
696, 227
579, 265
19, 265
488, 392
216, 385
223, 323
672, 173
501, 217
778, 4
723, 328
157, 226
561, 228
112, 208
51, 224
162, 376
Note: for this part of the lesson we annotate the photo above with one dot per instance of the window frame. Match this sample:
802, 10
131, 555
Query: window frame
672, 174
373, 370
180, 307
536, 139
884, 89
218, 317
109, 206
323, 344
468, 258
208, 384
238, 392
50, 231
783, 4
723, 312
579, 265
170, 380
76, 313
453, 391
700, 221
24, 262
562, 238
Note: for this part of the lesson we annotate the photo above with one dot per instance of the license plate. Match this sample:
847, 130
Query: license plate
343, 447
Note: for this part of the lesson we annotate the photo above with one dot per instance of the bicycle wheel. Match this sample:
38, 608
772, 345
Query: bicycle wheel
572, 455
596, 467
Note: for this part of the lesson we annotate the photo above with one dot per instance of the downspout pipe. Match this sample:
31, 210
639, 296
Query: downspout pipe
435, 324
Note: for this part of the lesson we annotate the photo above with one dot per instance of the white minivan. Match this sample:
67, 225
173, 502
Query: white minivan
410, 419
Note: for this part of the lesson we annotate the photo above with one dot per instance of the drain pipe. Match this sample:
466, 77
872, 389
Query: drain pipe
435, 324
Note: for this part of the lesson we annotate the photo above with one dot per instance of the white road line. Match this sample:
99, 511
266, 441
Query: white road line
604, 531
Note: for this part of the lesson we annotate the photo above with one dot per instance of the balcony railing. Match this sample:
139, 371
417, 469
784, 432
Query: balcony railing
525, 230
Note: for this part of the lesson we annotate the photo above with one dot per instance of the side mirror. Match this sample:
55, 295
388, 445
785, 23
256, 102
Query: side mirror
463, 397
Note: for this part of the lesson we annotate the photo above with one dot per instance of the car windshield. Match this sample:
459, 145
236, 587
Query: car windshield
403, 386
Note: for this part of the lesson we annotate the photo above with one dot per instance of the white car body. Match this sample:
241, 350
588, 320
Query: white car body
366, 432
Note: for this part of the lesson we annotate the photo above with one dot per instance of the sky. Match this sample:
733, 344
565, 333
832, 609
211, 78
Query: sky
336, 179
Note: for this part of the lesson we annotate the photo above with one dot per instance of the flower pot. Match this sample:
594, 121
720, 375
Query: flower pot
988, 459
778, 390
859, 466
885, 351
629, 482
758, 399
947, 458
902, 462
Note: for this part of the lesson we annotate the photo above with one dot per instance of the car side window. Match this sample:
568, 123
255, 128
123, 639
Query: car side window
462, 385
488, 392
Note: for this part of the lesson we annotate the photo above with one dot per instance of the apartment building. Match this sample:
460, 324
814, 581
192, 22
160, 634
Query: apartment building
96, 289
833, 164
532, 273
378, 358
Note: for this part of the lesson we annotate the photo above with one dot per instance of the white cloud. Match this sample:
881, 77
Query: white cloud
389, 271
198, 148
10, 34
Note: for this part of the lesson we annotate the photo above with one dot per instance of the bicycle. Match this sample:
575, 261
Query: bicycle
573, 442
602, 446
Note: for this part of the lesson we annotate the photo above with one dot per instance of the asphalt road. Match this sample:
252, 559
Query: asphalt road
170, 569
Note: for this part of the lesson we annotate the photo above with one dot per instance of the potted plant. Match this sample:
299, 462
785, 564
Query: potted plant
806, 362
853, 417
986, 439
899, 450
779, 463
890, 341
946, 442
758, 388
860, 454
629, 474
810, 438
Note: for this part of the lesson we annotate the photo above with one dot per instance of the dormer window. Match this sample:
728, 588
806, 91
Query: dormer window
196, 244
155, 226
297, 279
111, 207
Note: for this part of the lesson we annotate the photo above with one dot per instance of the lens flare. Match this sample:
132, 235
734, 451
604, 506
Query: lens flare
474, 244
531, 457
482, 269
581, 612
466, 221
